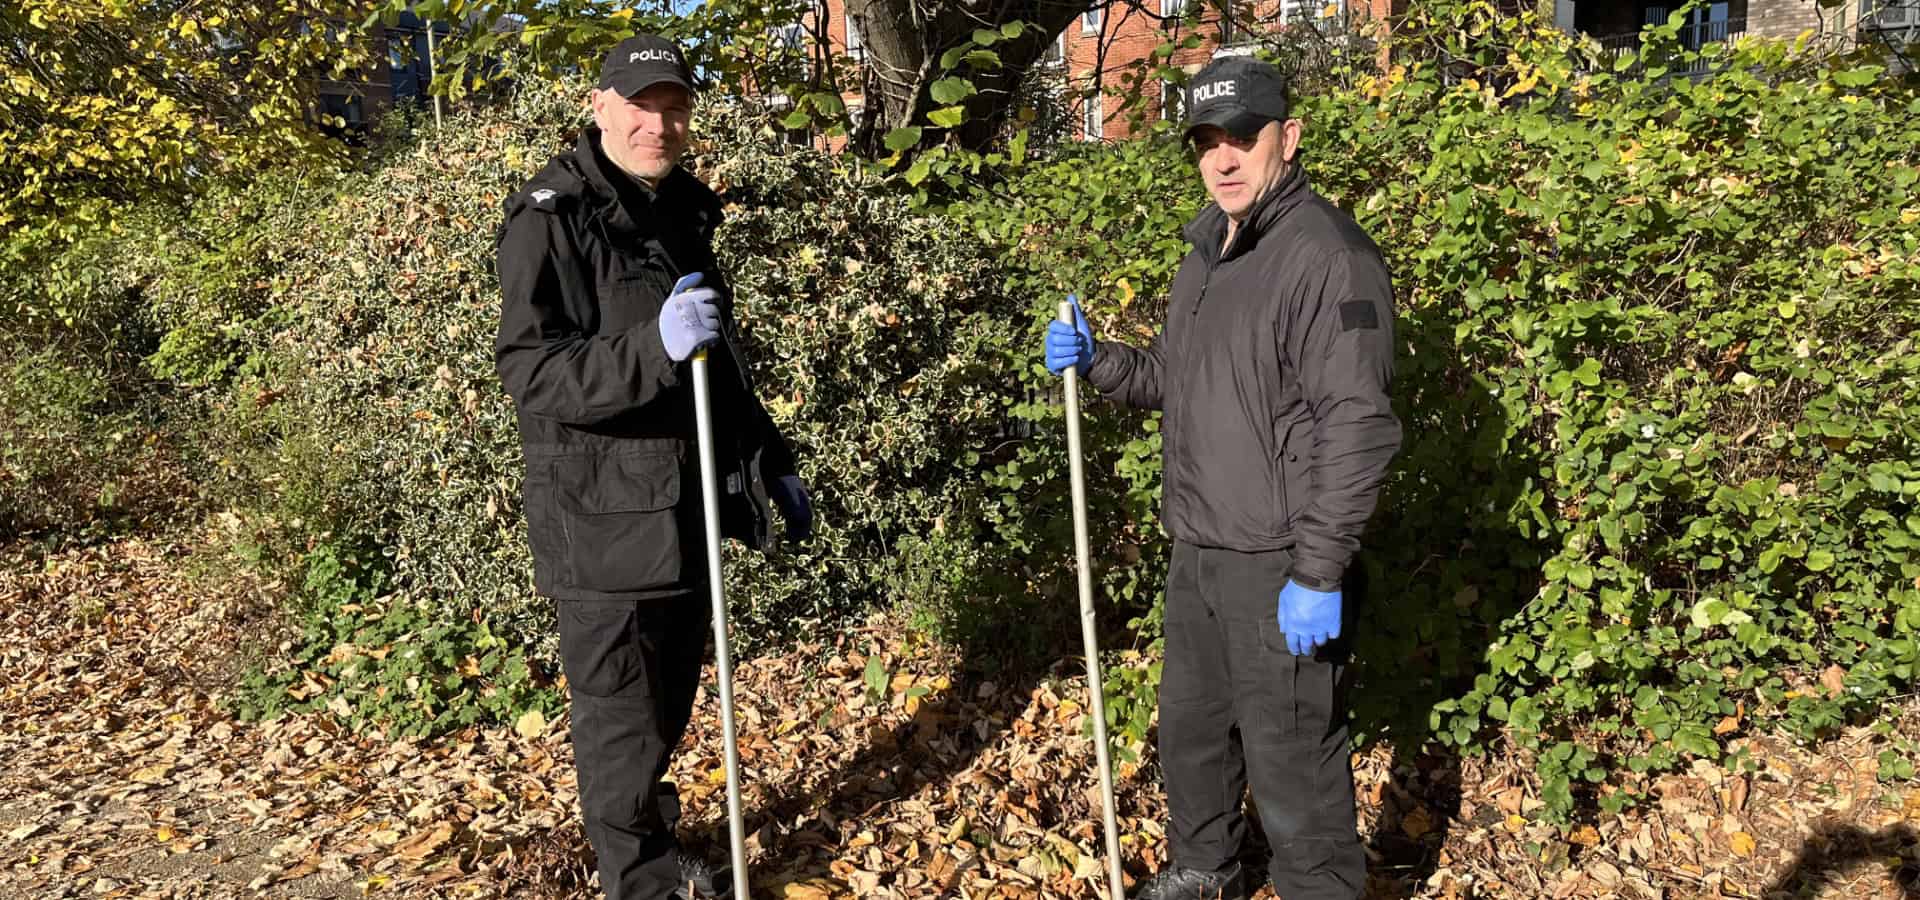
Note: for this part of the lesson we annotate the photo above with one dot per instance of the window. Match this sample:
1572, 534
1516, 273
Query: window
409, 64
1229, 29
1173, 102
791, 37
1092, 119
1091, 19
856, 45
1056, 52
1298, 12
1173, 8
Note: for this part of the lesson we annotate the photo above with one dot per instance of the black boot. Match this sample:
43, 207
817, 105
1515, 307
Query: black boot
701, 880
1182, 883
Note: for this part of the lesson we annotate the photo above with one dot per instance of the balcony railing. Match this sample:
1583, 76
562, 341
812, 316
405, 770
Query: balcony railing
1693, 36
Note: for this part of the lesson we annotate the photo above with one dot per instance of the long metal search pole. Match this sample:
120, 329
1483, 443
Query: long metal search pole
1088, 634
710, 499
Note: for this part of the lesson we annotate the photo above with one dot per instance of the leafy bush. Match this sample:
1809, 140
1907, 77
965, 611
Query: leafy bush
1658, 385
374, 660
88, 445
371, 415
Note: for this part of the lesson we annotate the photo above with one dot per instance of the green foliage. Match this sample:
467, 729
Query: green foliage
371, 660
1657, 382
119, 101
89, 446
364, 406
1685, 493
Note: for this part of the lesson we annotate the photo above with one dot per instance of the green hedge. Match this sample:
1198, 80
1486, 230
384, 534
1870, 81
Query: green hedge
1658, 381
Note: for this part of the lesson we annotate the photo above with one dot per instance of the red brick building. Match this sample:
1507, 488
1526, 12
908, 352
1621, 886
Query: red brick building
1106, 41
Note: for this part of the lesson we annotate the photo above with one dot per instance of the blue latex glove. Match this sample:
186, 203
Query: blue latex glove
1308, 618
690, 319
790, 494
1070, 345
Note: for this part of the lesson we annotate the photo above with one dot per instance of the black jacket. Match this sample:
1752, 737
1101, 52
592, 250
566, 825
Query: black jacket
1272, 372
587, 257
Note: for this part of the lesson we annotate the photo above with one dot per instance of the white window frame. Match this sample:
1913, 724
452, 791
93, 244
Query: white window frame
1172, 9
856, 43
1093, 118
1057, 54
1092, 19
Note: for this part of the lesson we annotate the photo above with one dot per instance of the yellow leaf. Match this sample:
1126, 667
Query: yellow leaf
1742, 844
718, 775
1631, 153
808, 890
623, 14
531, 724
164, 835
1522, 86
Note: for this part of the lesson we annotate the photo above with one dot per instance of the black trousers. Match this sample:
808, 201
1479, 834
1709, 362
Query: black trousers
1237, 708
632, 669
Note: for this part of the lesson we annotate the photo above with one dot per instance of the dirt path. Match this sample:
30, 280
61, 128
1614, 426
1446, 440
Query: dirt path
121, 776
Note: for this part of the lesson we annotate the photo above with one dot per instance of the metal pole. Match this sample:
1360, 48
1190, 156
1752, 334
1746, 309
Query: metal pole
710, 499
1116, 883
433, 74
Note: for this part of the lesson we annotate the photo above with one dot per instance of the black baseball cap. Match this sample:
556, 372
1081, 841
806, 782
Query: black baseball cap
642, 61
1239, 94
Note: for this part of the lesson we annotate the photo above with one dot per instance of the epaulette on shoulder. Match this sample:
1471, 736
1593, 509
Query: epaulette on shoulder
555, 189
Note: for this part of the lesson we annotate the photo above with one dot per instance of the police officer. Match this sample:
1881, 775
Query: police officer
1272, 375
610, 285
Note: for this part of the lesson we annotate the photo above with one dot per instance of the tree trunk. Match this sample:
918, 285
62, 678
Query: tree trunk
904, 41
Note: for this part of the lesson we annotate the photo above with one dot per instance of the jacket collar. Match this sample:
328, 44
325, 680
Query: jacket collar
1209, 228
599, 173
614, 191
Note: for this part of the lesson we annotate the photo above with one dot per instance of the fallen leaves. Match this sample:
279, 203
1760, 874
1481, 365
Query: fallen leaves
882, 773
423, 843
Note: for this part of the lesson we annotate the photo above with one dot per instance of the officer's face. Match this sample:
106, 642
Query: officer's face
1239, 171
644, 134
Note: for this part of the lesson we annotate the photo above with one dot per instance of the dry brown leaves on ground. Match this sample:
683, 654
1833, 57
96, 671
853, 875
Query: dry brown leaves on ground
121, 776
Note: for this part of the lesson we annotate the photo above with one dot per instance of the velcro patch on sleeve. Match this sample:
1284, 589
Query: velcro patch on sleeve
1356, 314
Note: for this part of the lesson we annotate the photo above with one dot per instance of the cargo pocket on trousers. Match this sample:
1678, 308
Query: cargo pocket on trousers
622, 532
1308, 688
597, 646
